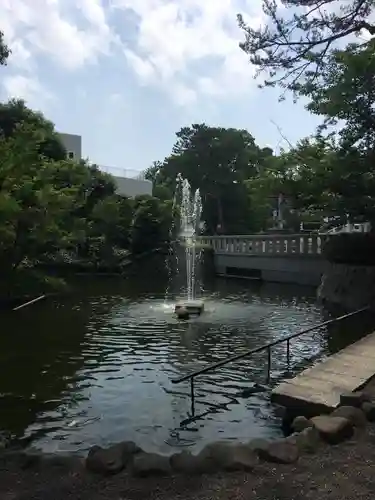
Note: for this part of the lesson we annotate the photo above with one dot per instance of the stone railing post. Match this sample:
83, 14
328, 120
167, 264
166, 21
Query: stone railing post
267, 245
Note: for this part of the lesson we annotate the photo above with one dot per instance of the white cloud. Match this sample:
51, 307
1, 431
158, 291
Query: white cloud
72, 33
191, 46
27, 88
21, 56
186, 47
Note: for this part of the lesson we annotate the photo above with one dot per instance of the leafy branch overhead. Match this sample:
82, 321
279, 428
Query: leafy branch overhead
299, 35
4, 50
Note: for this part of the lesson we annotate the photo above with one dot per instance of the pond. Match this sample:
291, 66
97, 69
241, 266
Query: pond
95, 366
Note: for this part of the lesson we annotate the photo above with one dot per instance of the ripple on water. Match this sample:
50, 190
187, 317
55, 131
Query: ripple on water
105, 375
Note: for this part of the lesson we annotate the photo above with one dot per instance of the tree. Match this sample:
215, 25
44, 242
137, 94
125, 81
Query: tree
15, 113
299, 35
344, 94
151, 224
162, 192
34, 210
4, 50
55, 211
152, 172
330, 180
108, 230
337, 172
313, 53
216, 161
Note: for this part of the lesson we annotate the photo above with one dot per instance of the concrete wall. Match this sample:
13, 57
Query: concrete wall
126, 186
73, 145
289, 269
132, 187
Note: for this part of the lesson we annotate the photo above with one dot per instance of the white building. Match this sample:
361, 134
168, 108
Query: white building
128, 183
73, 145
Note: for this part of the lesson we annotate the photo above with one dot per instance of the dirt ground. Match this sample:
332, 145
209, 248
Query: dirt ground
342, 472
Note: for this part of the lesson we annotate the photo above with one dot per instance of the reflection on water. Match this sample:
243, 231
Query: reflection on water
95, 367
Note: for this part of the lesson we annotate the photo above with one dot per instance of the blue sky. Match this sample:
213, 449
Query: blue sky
127, 74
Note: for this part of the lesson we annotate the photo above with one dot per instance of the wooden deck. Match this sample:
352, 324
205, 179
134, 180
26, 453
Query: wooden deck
318, 389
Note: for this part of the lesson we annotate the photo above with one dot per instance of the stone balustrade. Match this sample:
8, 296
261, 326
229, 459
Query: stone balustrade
268, 245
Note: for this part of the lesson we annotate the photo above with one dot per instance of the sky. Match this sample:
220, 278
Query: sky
126, 75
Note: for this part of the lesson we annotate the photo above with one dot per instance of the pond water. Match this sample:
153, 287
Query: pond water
95, 366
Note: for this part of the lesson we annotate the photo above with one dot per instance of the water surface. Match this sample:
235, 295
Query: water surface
95, 366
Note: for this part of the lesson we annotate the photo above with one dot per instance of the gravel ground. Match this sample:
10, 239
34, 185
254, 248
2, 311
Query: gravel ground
343, 472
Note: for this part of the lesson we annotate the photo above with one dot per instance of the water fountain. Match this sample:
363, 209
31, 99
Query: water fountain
191, 210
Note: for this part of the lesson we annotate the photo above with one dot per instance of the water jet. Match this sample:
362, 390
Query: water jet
191, 210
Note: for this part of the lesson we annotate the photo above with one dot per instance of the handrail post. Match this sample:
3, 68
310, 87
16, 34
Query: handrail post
192, 396
286, 339
269, 364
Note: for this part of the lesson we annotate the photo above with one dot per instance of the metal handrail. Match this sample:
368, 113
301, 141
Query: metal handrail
41, 297
287, 339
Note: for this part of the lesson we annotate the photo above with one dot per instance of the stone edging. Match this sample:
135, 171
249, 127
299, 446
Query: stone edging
308, 437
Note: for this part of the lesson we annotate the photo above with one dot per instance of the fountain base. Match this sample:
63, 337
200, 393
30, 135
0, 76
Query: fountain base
187, 308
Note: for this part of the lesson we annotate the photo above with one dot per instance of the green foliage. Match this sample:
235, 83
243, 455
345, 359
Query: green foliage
4, 50
335, 174
336, 181
345, 93
309, 46
151, 224
298, 35
162, 192
15, 113
217, 161
33, 206
351, 248
55, 211
264, 190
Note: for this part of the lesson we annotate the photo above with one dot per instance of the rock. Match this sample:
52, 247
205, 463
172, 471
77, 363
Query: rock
300, 423
24, 459
35, 459
249, 391
283, 451
184, 462
64, 462
150, 464
258, 444
182, 313
287, 419
333, 430
307, 441
353, 399
354, 415
223, 456
5, 440
111, 460
369, 410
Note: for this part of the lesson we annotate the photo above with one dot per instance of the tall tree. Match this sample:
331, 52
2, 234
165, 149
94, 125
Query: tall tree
298, 35
216, 161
